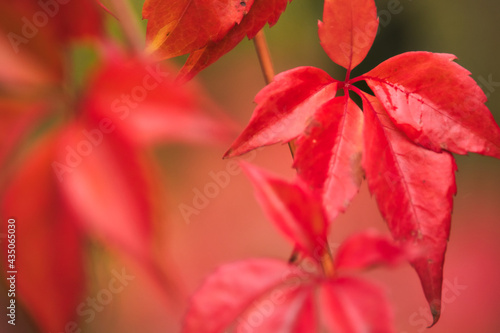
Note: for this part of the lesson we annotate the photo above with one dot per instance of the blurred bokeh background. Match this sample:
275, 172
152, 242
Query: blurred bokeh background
231, 226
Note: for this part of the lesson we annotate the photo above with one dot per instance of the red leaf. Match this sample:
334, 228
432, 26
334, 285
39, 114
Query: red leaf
328, 155
180, 27
232, 290
102, 179
367, 249
50, 281
436, 103
262, 12
144, 103
414, 189
348, 30
284, 108
294, 210
350, 305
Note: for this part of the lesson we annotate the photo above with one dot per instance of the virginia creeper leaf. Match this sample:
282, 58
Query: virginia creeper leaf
414, 190
262, 12
348, 30
183, 26
284, 108
48, 243
328, 155
232, 290
292, 207
367, 249
435, 102
352, 305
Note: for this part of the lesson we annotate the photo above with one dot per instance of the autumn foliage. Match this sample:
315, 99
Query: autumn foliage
78, 163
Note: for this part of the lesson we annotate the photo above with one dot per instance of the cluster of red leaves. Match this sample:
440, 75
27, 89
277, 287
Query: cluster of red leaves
425, 108
75, 164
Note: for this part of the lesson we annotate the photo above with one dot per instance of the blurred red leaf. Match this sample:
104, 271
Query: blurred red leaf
146, 104
348, 30
284, 108
436, 103
49, 251
292, 207
328, 155
102, 180
352, 305
414, 189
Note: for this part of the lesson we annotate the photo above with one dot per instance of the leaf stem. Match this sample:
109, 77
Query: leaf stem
267, 68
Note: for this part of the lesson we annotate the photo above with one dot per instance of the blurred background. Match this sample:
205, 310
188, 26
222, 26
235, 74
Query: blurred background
231, 226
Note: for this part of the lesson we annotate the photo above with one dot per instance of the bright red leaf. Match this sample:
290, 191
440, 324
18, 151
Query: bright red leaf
348, 30
436, 103
328, 155
285, 107
414, 189
50, 282
292, 207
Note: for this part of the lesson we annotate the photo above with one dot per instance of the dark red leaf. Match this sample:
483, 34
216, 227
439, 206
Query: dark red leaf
351, 305
50, 279
181, 27
370, 248
284, 108
262, 12
348, 30
436, 103
328, 155
294, 209
414, 189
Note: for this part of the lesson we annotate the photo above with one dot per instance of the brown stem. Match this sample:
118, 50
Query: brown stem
266, 66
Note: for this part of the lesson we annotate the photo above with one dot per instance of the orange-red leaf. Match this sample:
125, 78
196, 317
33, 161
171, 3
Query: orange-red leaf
328, 155
50, 279
436, 103
348, 30
183, 26
262, 12
414, 189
